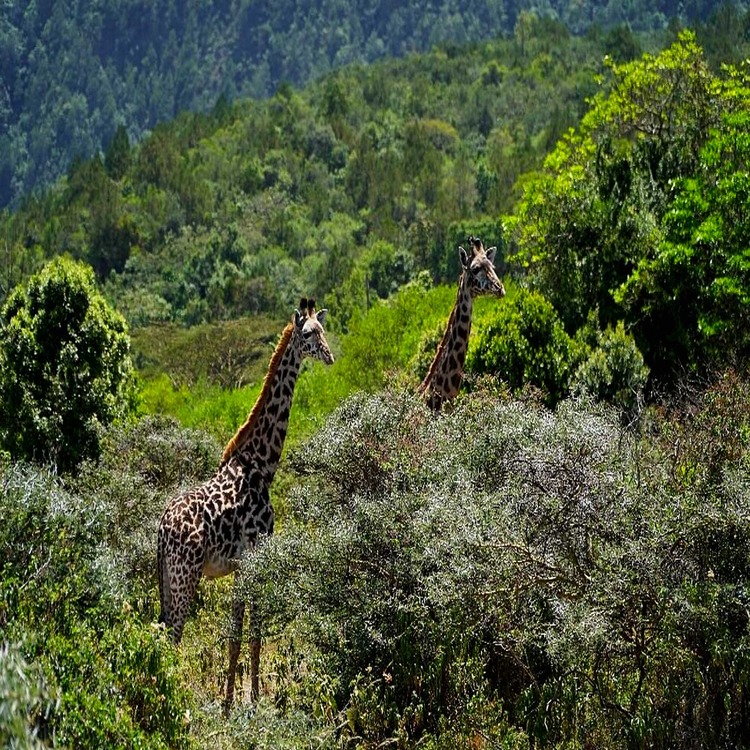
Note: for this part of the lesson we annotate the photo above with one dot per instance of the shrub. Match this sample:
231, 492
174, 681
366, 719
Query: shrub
613, 371
142, 464
507, 572
64, 366
523, 342
25, 701
99, 674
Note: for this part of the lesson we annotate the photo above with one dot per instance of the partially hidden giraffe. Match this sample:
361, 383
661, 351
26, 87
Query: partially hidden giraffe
207, 530
478, 277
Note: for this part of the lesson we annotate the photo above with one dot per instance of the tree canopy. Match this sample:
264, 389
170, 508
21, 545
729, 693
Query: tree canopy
74, 73
639, 213
65, 369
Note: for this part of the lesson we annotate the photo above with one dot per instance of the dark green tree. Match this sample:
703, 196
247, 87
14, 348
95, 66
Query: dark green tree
697, 286
65, 367
117, 157
640, 214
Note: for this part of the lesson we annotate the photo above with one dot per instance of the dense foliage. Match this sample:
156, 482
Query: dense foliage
353, 185
73, 73
500, 575
506, 576
640, 214
82, 665
558, 560
65, 369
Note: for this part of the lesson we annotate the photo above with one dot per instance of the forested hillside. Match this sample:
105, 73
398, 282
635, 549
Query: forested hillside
71, 72
351, 185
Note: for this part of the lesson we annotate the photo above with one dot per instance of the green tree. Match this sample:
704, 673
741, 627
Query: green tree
696, 287
65, 367
118, 156
523, 343
635, 214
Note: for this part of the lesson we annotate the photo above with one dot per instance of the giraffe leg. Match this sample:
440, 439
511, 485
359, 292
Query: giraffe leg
183, 584
235, 641
254, 655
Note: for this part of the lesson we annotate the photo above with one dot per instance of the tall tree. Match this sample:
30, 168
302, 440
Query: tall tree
607, 224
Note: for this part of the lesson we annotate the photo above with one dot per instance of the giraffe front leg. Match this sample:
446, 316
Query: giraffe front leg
235, 641
254, 654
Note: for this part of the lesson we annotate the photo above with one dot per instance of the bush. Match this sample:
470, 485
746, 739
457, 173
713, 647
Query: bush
613, 371
77, 580
385, 339
508, 572
523, 342
25, 701
65, 370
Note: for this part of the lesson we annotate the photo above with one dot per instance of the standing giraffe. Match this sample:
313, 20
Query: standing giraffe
477, 278
207, 530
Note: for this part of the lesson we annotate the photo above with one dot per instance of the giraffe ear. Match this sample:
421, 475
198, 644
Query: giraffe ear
299, 319
463, 257
491, 254
321, 315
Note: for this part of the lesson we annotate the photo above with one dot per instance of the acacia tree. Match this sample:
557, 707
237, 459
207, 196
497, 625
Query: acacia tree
65, 368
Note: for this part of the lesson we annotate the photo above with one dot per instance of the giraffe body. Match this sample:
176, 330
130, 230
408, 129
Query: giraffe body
478, 277
205, 531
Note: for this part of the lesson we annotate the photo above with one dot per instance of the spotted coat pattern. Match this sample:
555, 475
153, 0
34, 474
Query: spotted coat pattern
478, 277
206, 530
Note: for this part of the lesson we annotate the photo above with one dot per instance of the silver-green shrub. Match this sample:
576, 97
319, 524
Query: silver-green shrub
503, 570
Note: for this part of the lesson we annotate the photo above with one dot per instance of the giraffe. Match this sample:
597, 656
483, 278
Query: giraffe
206, 530
477, 278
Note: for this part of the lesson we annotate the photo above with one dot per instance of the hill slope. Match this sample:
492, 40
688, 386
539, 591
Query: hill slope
373, 170
72, 72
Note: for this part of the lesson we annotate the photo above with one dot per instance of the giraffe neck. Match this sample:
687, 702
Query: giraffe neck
260, 441
444, 377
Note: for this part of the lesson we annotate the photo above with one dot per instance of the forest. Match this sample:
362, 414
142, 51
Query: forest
72, 73
560, 558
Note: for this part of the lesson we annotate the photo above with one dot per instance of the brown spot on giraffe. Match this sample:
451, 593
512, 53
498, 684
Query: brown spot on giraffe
477, 278
208, 529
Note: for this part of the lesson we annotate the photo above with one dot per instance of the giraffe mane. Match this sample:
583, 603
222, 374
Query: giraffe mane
273, 366
442, 345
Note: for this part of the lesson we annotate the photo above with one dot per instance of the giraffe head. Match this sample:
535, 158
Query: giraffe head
479, 270
308, 325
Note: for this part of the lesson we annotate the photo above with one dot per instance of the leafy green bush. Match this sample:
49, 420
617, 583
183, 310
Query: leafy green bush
522, 341
76, 591
385, 339
25, 700
65, 369
613, 371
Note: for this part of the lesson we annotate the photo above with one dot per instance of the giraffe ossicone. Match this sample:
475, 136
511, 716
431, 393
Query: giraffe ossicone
478, 278
206, 530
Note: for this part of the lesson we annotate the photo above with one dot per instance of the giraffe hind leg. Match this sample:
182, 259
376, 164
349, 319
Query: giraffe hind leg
183, 582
